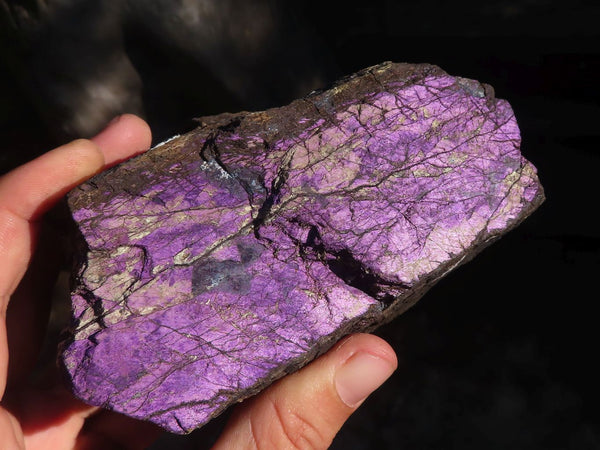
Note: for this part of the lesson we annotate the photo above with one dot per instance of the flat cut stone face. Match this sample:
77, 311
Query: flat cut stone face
223, 259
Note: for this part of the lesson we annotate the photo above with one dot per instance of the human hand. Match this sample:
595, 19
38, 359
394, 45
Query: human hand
304, 410
47, 418
307, 408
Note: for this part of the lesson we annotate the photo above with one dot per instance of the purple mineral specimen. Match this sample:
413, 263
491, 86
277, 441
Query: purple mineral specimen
230, 256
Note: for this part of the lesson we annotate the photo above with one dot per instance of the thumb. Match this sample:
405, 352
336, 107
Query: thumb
307, 409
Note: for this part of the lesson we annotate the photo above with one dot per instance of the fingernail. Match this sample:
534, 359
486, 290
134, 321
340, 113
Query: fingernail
360, 375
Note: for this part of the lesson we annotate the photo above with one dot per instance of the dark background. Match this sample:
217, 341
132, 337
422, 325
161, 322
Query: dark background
502, 353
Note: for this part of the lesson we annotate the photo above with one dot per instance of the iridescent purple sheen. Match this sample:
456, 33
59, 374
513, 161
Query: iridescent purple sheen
227, 257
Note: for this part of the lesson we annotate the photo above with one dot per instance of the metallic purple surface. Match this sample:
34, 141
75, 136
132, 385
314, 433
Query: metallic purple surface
227, 257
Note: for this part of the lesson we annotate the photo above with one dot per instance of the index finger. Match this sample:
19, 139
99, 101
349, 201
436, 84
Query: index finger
29, 191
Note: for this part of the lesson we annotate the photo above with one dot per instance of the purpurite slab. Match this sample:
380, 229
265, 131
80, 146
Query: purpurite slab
225, 258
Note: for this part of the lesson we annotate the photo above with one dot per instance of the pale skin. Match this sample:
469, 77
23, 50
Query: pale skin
303, 410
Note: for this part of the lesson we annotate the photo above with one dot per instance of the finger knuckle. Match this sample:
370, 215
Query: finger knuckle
84, 148
299, 431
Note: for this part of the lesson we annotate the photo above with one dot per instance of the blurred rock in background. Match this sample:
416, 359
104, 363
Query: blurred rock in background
501, 353
70, 66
